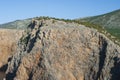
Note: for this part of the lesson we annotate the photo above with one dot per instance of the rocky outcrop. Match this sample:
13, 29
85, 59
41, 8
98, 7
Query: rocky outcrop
63, 51
8, 44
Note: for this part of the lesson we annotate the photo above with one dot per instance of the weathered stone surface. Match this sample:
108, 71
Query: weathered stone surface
64, 51
8, 44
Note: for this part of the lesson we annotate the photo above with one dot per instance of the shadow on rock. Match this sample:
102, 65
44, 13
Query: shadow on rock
115, 71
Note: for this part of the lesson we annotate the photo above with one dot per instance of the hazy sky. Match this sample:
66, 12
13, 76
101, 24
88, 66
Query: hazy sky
21, 9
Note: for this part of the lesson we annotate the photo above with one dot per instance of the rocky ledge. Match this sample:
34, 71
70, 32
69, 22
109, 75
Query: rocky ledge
56, 50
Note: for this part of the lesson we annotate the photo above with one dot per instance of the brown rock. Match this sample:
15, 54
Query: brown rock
8, 44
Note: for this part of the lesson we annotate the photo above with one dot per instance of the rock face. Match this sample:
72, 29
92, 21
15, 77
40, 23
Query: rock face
64, 51
8, 43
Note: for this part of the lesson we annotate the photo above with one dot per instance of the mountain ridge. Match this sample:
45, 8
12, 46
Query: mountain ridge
100, 19
110, 21
17, 24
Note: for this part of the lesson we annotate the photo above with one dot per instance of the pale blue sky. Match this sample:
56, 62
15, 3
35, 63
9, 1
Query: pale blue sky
11, 10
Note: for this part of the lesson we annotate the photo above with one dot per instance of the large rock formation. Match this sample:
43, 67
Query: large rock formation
55, 50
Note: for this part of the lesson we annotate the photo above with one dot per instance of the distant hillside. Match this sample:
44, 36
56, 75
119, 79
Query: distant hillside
110, 21
18, 24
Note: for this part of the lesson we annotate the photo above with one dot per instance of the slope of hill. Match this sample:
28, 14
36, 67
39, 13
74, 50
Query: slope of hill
18, 24
110, 21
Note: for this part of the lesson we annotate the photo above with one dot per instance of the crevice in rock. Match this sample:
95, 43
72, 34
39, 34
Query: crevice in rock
30, 76
102, 56
3, 68
28, 43
11, 75
115, 70
32, 41
2, 71
32, 25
